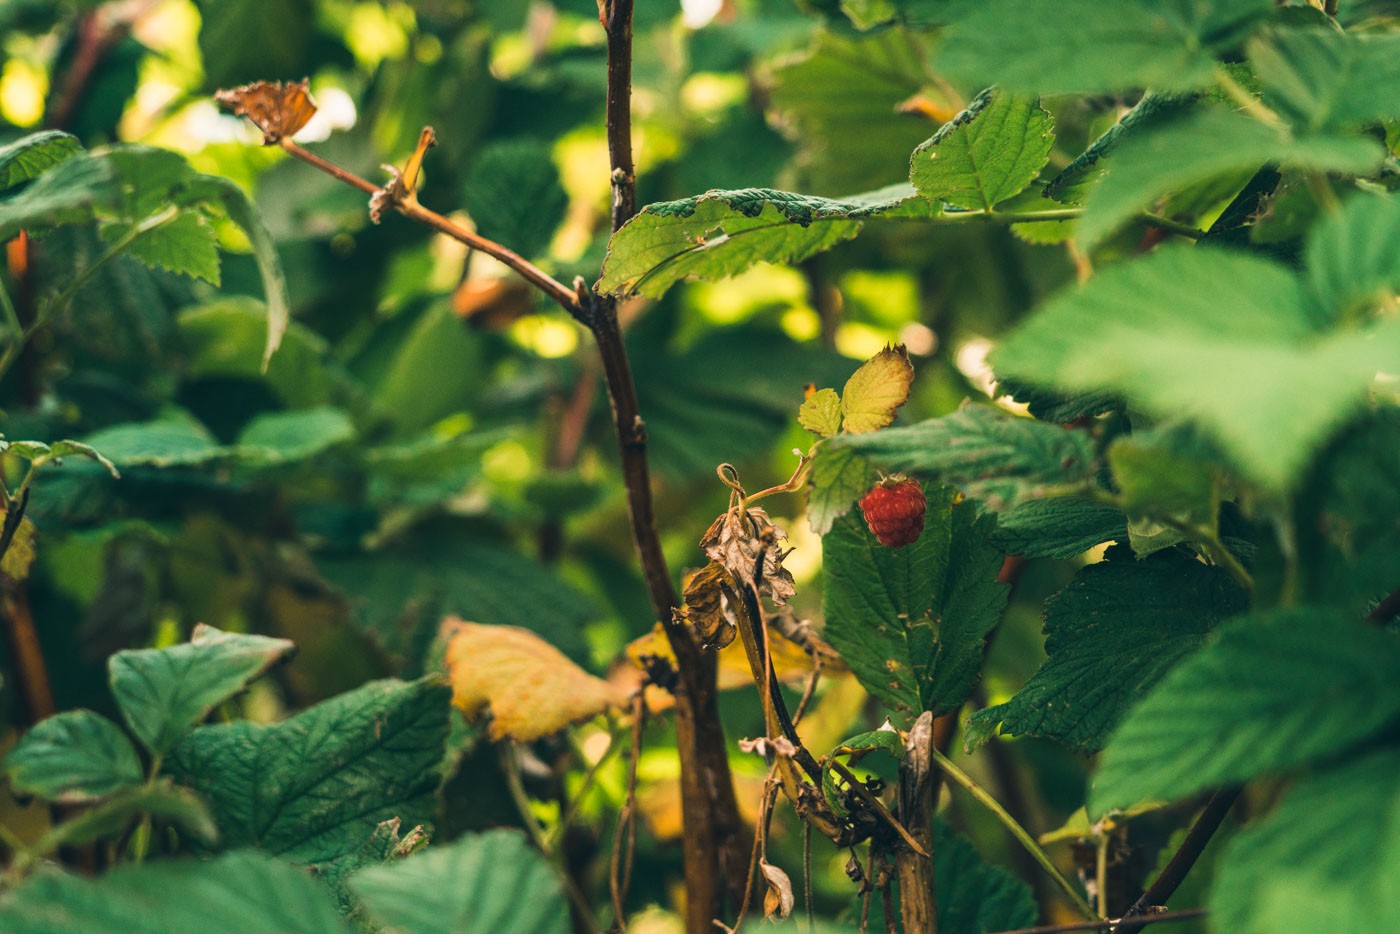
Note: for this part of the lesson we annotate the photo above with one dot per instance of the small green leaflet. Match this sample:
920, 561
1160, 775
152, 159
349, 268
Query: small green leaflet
839, 477
986, 154
821, 413
73, 757
33, 155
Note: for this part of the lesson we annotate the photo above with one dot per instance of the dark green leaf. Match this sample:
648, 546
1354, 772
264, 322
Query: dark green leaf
292, 436
113, 816
1350, 266
1077, 178
1269, 692
839, 477
491, 881
986, 154
722, 233
989, 455
241, 893
435, 371
1321, 79
164, 693
73, 757
514, 195
1324, 861
1256, 378
1111, 635
166, 443
1071, 47
1057, 528
973, 895
33, 155
313, 788
248, 40
69, 193
1204, 146
911, 621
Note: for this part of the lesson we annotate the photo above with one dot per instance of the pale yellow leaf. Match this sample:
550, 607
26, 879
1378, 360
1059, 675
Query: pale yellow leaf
821, 413
874, 391
529, 687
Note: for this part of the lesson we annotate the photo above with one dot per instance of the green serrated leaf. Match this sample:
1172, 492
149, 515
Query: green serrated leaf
1202, 146
514, 195
1323, 79
1070, 47
490, 881
911, 621
287, 789
281, 437
990, 455
186, 245
69, 193
73, 757
1324, 861
1350, 269
1111, 635
821, 413
1258, 380
986, 154
722, 233
1057, 528
164, 693
1077, 178
973, 894
1269, 692
241, 893
33, 155
838, 478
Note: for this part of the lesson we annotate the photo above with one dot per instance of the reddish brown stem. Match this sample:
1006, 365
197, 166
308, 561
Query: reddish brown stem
23, 640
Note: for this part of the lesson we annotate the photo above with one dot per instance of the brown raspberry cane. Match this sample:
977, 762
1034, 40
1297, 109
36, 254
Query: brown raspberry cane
894, 511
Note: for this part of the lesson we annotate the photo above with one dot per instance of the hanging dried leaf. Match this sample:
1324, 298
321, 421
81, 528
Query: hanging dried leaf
530, 688
778, 901
735, 542
874, 391
278, 109
711, 605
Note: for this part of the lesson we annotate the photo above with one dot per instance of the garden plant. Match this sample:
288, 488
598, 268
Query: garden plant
557, 465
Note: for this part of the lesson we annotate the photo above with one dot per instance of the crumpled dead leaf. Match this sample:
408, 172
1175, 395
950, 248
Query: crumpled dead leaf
778, 901
734, 542
530, 688
711, 598
278, 109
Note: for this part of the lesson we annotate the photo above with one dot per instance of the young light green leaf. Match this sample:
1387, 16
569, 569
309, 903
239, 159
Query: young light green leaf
493, 881
33, 155
1324, 861
1351, 268
78, 449
878, 387
1259, 381
1324, 79
911, 621
1112, 634
821, 413
721, 233
838, 478
990, 455
1071, 47
1207, 144
73, 757
241, 893
1270, 692
286, 788
164, 693
986, 154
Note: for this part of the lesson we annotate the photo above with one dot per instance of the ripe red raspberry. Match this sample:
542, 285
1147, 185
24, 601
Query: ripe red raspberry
894, 511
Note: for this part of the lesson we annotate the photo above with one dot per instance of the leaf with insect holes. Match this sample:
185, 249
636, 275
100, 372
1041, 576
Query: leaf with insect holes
530, 688
821, 413
874, 391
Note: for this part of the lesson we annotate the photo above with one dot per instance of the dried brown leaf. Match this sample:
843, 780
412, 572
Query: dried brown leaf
778, 901
530, 688
735, 541
278, 109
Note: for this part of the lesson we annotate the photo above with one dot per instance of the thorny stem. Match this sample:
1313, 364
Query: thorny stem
1181, 862
1015, 829
551, 287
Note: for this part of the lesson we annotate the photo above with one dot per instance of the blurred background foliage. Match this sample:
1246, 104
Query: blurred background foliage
433, 438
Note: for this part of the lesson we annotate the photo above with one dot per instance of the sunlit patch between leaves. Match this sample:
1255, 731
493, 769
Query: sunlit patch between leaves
528, 687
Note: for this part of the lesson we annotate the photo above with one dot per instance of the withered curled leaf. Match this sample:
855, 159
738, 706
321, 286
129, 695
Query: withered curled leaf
278, 109
711, 598
778, 900
734, 541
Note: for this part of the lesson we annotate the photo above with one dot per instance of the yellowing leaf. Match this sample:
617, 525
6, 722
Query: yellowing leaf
20, 555
821, 413
530, 688
874, 391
